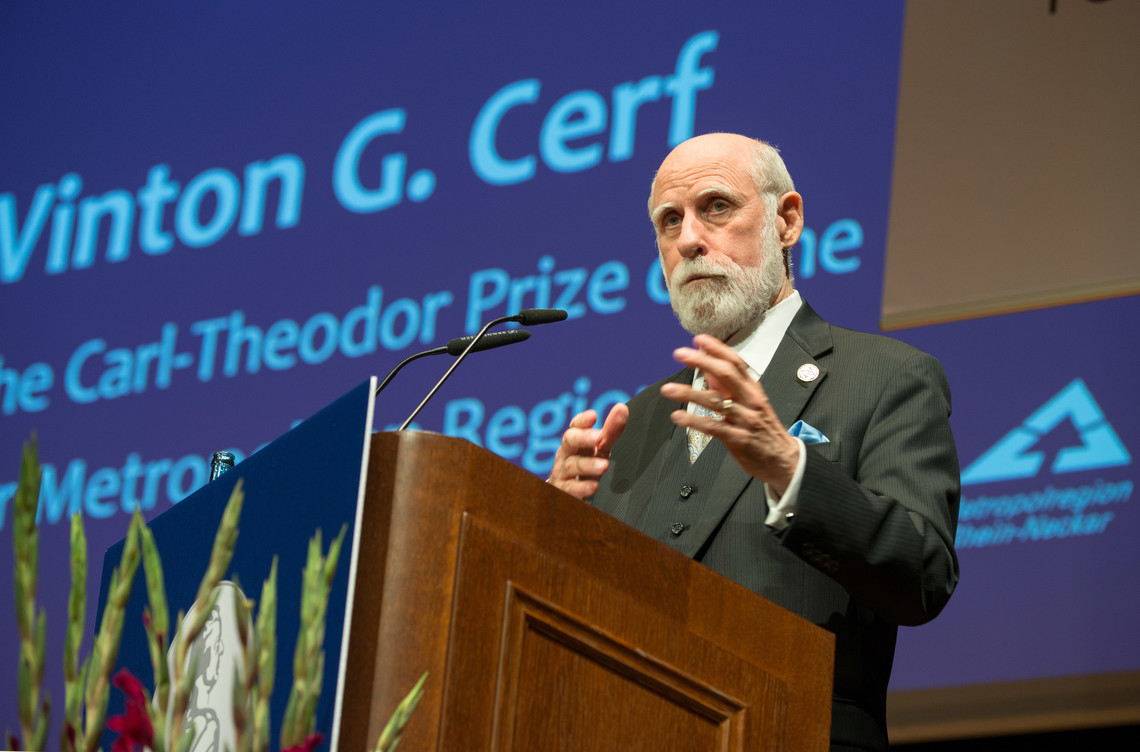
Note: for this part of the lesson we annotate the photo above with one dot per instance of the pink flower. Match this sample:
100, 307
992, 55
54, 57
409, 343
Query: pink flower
134, 727
310, 743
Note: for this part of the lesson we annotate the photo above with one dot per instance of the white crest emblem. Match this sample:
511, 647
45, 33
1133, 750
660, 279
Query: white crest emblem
221, 667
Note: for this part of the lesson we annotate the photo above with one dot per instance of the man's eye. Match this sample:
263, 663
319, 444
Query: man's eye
718, 205
671, 221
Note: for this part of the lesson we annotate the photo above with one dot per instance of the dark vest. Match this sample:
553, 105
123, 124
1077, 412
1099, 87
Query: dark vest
680, 491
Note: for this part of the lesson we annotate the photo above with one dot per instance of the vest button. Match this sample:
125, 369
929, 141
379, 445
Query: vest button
686, 491
677, 528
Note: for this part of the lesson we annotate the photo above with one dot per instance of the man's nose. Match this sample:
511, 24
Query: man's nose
691, 240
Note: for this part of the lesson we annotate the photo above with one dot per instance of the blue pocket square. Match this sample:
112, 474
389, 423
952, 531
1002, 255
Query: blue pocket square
808, 434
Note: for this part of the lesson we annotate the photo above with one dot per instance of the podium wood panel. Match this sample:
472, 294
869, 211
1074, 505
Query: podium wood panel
547, 625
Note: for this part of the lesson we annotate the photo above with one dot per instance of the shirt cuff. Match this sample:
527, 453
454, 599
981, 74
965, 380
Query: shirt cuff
781, 509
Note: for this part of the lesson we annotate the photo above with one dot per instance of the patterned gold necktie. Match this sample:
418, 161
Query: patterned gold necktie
698, 440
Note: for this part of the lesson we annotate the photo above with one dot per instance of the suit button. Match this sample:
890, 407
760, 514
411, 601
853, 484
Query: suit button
677, 528
686, 491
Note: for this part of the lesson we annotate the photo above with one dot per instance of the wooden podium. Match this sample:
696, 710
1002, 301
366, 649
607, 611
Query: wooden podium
543, 623
547, 625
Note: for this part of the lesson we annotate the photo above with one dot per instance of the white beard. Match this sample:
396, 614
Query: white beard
736, 298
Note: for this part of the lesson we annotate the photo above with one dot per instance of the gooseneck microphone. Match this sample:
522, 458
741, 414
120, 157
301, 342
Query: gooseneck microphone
527, 317
456, 347
536, 316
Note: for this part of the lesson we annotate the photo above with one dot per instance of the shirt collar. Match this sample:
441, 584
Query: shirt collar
758, 347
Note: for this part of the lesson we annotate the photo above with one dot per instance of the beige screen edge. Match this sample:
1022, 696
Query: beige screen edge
1017, 160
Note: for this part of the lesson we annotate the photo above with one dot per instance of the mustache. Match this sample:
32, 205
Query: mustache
699, 266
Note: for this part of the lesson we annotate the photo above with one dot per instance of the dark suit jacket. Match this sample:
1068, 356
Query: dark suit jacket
871, 544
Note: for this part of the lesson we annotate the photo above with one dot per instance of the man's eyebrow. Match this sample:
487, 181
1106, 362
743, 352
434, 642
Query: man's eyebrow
721, 190
661, 211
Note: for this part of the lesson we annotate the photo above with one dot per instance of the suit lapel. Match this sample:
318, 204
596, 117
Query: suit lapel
807, 340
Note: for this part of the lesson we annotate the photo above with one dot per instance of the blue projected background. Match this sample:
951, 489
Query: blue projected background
215, 221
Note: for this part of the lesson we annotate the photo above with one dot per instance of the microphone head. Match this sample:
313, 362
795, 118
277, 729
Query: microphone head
536, 316
456, 346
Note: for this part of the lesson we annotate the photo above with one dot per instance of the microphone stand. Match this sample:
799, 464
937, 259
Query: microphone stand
456, 346
458, 360
392, 374
529, 317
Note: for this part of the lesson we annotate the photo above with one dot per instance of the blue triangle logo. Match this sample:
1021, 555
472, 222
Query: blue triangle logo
1013, 458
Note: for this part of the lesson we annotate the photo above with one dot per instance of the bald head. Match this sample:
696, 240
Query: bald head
761, 160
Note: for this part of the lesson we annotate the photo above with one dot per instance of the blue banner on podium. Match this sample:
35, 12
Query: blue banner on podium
310, 479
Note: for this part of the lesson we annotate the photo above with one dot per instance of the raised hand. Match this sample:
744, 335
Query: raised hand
585, 451
751, 430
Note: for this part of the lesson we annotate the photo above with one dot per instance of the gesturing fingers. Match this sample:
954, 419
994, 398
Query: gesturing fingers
722, 367
612, 429
748, 425
725, 372
583, 455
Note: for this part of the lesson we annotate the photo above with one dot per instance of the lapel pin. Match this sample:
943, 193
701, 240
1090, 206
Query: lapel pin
808, 372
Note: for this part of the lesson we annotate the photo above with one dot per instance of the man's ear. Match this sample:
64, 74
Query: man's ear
789, 218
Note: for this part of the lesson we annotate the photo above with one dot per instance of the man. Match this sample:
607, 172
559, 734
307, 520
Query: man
811, 464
